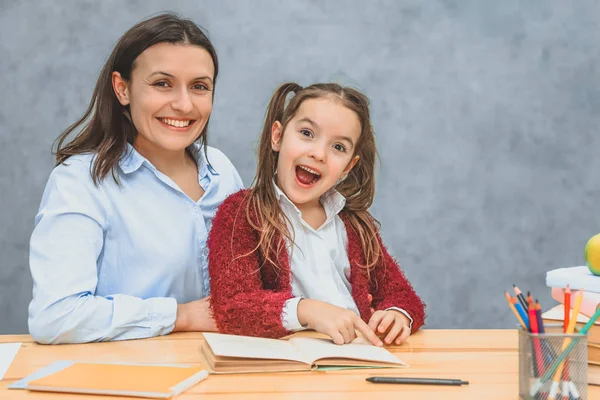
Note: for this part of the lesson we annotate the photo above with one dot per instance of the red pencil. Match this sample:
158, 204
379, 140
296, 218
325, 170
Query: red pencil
567, 306
533, 328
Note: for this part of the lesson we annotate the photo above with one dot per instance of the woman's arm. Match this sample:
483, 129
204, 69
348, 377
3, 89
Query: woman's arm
239, 302
65, 245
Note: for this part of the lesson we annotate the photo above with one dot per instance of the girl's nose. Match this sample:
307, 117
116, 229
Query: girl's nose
319, 153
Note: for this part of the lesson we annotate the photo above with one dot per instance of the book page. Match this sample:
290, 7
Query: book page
557, 314
316, 349
8, 351
252, 347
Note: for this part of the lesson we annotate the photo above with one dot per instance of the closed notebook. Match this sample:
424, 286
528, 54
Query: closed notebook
224, 354
138, 380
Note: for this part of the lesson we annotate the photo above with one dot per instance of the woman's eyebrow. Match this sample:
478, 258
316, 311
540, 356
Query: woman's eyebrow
173, 76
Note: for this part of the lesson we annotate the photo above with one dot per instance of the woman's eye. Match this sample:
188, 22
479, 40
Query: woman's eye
200, 86
339, 147
161, 84
306, 132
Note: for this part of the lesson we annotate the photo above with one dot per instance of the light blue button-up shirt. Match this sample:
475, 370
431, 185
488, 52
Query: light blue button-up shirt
111, 262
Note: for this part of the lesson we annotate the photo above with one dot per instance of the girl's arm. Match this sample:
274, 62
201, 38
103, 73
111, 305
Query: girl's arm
240, 303
390, 289
65, 245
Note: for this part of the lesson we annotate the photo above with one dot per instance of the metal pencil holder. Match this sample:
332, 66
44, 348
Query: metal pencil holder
551, 363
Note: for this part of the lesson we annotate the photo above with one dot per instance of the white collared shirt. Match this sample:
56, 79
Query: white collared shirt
318, 259
111, 262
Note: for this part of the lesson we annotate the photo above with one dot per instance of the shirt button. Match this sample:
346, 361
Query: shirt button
205, 252
195, 209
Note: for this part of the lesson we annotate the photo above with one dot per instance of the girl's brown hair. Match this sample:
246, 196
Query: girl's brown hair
263, 211
106, 126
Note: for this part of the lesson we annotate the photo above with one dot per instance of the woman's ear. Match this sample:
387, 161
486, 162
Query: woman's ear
276, 136
121, 88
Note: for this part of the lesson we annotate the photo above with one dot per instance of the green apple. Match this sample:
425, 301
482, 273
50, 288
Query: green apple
592, 254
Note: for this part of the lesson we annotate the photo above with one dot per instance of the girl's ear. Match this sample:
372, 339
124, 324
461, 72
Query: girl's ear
121, 88
276, 136
351, 164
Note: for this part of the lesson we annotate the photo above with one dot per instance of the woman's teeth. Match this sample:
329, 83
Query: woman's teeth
175, 122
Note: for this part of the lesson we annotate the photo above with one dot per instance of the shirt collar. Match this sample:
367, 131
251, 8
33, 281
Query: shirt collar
131, 160
333, 201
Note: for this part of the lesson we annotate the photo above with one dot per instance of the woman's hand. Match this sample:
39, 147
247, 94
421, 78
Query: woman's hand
395, 323
338, 323
195, 316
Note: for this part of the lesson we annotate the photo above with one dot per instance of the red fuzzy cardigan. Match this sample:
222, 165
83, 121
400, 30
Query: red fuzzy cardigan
247, 299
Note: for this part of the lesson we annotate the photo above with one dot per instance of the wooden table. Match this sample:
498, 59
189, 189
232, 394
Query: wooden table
485, 358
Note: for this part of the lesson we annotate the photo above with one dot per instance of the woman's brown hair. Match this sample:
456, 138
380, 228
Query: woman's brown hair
263, 211
106, 126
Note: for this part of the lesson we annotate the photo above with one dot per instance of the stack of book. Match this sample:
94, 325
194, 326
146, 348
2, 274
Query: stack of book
577, 279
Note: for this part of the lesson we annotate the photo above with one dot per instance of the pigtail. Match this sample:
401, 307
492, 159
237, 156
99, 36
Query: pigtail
263, 211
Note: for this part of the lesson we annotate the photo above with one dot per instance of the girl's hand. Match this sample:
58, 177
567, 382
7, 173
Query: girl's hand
336, 322
394, 322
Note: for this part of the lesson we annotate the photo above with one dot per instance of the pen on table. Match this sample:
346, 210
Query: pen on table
416, 381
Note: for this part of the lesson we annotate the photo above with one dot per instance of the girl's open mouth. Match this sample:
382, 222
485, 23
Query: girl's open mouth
307, 176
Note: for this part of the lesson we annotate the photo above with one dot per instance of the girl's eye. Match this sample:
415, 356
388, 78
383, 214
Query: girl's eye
161, 84
306, 132
339, 147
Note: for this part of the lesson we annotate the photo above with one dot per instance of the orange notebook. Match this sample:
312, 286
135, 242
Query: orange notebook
139, 380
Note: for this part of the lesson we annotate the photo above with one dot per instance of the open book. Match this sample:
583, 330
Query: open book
226, 354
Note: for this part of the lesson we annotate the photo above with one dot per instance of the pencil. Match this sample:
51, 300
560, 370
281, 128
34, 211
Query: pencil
533, 328
567, 307
510, 300
548, 350
521, 312
538, 315
520, 296
566, 344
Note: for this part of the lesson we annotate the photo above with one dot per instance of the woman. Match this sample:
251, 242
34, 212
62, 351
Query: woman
119, 245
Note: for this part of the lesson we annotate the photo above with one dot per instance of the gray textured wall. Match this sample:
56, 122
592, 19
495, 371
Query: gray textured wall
486, 114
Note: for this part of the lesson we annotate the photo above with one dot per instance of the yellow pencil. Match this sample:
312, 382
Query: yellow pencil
514, 309
567, 341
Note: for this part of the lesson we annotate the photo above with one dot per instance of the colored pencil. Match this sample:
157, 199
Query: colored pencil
510, 300
567, 307
558, 365
520, 296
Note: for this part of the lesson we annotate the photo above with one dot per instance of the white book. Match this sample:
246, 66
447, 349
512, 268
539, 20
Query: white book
577, 278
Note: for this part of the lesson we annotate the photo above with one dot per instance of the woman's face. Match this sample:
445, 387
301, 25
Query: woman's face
170, 95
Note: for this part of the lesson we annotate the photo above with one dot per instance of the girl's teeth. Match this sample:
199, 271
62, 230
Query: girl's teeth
310, 170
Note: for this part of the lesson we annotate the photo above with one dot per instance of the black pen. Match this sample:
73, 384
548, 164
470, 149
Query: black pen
416, 381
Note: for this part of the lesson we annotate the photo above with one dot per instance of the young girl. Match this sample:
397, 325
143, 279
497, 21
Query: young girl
299, 249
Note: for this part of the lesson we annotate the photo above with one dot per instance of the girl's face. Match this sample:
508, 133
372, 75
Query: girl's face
316, 149
169, 95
